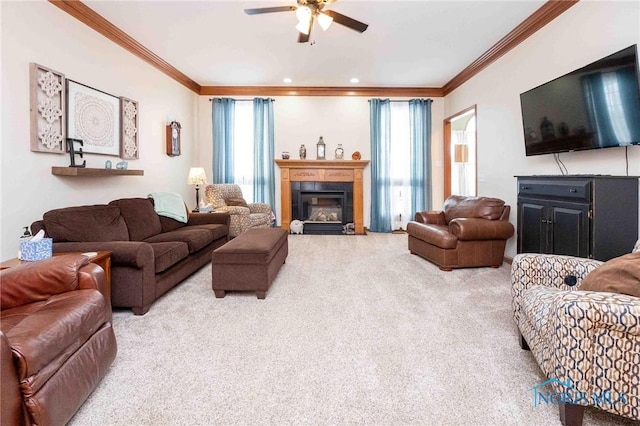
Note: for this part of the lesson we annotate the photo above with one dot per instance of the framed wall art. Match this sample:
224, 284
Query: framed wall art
93, 116
173, 139
47, 104
129, 148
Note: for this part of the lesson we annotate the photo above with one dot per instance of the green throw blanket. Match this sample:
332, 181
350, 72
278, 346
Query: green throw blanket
171, 205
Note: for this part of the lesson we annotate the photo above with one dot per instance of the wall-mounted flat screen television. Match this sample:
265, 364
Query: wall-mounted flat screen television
596, 106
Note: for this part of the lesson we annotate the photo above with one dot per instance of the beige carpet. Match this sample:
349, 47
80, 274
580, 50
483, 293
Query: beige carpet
355, 330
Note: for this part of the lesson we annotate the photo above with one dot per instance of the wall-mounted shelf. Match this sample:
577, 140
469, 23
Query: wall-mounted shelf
89, 172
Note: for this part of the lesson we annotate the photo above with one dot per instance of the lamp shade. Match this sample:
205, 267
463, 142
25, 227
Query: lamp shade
197, 176
460, 153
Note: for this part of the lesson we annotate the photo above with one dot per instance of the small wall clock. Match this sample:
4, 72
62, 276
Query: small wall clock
173, 139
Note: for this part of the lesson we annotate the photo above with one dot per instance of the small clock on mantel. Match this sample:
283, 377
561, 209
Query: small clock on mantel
173, 139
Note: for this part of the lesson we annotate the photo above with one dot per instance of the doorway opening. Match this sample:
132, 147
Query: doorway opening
460, 154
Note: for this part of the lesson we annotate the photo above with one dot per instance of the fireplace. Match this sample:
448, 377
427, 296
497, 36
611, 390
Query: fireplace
324, 207
320, 176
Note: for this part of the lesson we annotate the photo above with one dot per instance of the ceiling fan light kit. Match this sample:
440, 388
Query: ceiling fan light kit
309, 10
303, 27
324, 20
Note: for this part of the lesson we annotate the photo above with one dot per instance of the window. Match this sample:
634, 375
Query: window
400, 161
243, 149
243, 140
400, 167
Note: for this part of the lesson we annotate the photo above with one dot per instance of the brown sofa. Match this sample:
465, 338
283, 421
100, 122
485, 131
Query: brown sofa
150, 254
468, 232
56, 339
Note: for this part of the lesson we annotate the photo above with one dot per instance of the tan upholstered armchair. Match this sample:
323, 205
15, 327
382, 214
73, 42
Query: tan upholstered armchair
468, 232
227, 197
587, 343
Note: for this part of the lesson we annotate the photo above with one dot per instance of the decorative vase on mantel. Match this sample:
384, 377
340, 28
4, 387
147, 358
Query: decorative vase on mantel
339, 152
303, 152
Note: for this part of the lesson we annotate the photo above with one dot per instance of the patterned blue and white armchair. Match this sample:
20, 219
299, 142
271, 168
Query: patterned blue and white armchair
588, 341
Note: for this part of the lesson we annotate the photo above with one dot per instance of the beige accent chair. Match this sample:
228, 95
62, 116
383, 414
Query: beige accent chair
587, 343
227, 197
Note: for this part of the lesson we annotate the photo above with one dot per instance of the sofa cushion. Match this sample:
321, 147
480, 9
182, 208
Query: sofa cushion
618, 275
168, 254
140, 217
476, 207
217, 230
196, 239
86, 223
169, 224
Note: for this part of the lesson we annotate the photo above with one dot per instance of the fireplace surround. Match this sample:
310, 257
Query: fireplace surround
324, 207
322, 179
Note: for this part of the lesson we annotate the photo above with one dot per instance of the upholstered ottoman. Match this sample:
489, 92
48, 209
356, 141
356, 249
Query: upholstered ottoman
249, 262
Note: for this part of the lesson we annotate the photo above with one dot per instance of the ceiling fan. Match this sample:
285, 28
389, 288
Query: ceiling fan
307, 12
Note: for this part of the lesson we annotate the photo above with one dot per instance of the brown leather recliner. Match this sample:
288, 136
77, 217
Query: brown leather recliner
56, 340
468, 232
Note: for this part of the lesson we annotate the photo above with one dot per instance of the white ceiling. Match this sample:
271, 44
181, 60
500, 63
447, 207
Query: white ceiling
408, 43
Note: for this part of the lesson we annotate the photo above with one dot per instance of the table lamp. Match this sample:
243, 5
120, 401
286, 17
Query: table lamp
197, 177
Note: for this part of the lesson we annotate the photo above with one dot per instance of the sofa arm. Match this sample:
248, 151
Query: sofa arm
234, 210
259, 208
595, 310
128, 253
596, 332
11, 404
38, 281
92, 276
474, 229
432, 217
549, 270
221, 218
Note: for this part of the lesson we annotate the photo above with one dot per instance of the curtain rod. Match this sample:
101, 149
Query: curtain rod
241, 100
399, 100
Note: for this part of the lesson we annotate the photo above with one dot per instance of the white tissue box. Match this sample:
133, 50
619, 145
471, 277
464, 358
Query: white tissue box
36, 250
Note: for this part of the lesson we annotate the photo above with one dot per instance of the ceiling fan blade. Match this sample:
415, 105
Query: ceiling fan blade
269, 10
302, 37
346, 21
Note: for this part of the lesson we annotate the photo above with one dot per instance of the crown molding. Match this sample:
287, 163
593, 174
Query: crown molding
545, 14
93, 20
321, 91
541, 17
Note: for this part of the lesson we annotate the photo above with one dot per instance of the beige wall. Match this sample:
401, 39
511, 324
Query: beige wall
37, 31
586, 32
339, 119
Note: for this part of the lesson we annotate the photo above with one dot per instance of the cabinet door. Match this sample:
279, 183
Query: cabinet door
533, 230
570, 229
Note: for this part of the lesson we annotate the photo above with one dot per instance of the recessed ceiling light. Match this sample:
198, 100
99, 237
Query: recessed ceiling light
355, 80
287, 80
